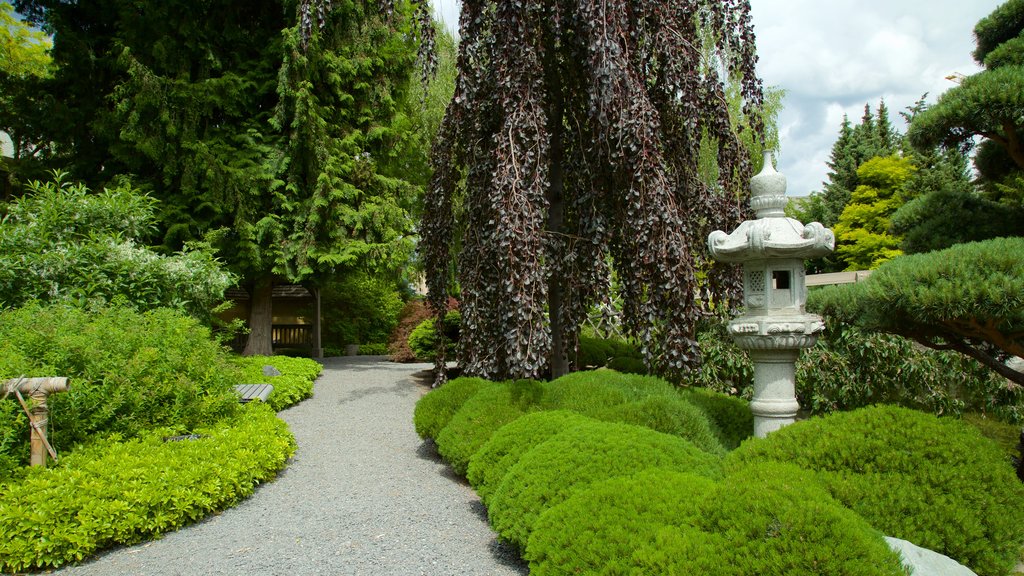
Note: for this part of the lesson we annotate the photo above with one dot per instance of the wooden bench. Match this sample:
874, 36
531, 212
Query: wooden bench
250, 392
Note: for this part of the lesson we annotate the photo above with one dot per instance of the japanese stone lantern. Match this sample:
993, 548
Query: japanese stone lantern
774, 326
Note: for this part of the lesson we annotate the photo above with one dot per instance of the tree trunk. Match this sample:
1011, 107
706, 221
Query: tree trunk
261, 318
556, 216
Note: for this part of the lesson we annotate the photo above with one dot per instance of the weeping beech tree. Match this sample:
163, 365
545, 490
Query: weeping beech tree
576, 143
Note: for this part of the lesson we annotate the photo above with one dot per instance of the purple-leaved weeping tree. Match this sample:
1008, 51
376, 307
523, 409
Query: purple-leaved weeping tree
572, 146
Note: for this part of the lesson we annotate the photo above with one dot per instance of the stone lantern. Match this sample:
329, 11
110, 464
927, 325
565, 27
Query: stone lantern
774, 326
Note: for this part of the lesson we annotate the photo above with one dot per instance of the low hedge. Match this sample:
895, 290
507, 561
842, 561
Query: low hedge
598, 352
482, 414
671, 415
594, 391
569, 461
767, 518
933, 481
293, 385
733, 421
505, 447
434, 410
116, 491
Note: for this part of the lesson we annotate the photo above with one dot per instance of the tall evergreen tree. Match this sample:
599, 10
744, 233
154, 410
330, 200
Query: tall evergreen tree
260, 122
578, 129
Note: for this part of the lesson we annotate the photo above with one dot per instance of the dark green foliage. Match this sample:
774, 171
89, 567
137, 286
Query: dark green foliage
1003, 25
114, 492
129, 370
380, 349
423, 339
730, 416
62, 243
946, 217
435, 409
673, 415
359, 308
967, 298
935, 482
598, 352
293, 385
505, 447
768, 519
482, 415
627, 365
572, 460
726, 368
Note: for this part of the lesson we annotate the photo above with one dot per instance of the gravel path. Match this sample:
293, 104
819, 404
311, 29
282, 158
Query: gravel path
363, 496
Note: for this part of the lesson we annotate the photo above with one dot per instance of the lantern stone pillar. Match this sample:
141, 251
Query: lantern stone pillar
774, 325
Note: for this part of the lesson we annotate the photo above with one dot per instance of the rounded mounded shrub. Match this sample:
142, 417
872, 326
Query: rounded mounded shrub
733, 421
669, 414
570, 461
435, 409
592, 392
933, 481
506, 446
482, 415
769, 518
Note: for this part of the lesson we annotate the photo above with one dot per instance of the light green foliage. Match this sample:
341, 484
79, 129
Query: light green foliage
964, 297
767, 519
293, 385
359, 308
570, 461
423, 338
673, 415
435, 409
117, 491
863, 240
935, 482
129, 370
23, 50
482, 415
63, 243
505, 447
730, 416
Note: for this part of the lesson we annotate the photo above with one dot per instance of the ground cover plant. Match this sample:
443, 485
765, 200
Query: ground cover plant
933, 481
766, 518
571, 460
435, 410
117, 491
294, 383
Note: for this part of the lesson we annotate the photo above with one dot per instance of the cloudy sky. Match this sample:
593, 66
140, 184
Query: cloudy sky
833, 57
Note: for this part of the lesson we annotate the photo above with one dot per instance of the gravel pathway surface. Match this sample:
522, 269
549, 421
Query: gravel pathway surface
363, 496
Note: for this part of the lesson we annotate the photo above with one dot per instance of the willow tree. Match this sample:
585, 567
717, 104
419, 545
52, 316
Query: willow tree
574, 144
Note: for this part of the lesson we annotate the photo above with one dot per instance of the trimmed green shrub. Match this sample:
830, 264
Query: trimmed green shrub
129, 370
593, 391
570, 461
731, 416
121, 492
767, 519
435, 409
505, 447
423, 339
293, 385
596, 352
627, 365
489, 409
935, 482
671, 415
379, 349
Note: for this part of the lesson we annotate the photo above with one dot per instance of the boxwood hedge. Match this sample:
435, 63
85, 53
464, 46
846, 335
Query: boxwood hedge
933, 481
669, 414
571, 460
435, 409
767, 518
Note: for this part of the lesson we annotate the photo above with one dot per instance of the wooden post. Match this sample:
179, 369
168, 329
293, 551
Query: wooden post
318, 350
38, 414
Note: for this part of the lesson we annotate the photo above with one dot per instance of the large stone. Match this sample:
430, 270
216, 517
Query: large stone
925, 562
269, 370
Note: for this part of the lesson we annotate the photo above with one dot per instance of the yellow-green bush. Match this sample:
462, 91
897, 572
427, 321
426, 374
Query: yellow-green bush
671, 415
435, 409
293, 385
731, 416
570, 461
123, 491
765, 519
933, 481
